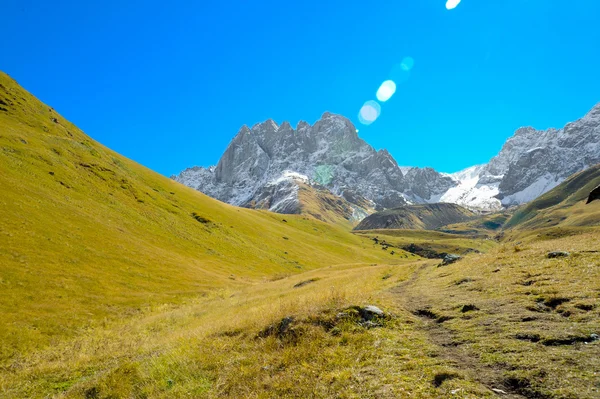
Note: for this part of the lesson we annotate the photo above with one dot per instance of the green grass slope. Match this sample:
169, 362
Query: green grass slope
565, 205
423, 217
87, 235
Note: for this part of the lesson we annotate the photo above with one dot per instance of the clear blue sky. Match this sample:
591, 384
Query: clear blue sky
169, 84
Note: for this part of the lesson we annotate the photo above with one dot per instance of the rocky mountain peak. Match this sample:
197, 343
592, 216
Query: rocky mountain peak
263, 165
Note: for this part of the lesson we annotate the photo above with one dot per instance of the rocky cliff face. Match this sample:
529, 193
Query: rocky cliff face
263, 166
531, 163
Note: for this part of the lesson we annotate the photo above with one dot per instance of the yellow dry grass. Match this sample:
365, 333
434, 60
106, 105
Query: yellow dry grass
116, 282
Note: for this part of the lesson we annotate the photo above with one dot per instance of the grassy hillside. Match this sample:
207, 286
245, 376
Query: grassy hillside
422, 216
116, 282
88, 235
565, 205
515, 320
323, 205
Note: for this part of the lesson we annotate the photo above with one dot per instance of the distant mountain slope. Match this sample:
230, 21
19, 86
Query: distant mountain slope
86, 234
423, 217
330, 153
564, 205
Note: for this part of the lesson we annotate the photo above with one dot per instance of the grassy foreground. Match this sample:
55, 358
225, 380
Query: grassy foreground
116, 282
88, 236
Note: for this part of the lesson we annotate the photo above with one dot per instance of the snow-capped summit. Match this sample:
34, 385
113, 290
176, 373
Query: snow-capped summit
530, 163
259, 162
263, 166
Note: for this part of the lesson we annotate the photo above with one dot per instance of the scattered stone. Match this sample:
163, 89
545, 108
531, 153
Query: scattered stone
594, 337
558, 254
450, 259
495, 270
368, 312
499, 391
368, 316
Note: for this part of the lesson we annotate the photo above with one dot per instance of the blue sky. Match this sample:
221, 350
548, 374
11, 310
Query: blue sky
169, 84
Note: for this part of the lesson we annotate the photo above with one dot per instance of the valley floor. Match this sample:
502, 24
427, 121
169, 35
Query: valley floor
507, 323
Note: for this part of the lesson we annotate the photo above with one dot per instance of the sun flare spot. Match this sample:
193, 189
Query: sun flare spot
407, 63
386, 90
452, 4
369, 112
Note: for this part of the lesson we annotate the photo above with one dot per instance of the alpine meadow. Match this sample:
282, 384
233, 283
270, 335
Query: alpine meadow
300, 200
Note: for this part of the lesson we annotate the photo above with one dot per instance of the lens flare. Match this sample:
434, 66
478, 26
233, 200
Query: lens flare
407, 63
451, 4
369, 112
386, 90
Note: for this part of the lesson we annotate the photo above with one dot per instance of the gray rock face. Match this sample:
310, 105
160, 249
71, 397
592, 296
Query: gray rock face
530, 163
426, 184
262, 165
540, 160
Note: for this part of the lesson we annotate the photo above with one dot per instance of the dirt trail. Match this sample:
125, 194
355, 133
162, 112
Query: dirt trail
450, 346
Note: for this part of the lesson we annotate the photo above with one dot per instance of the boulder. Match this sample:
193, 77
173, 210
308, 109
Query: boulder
369, 312
449, 259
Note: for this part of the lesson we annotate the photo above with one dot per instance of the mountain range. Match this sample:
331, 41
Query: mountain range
264, 166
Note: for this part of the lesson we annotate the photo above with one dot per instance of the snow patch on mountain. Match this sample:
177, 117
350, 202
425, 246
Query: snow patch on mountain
469, 193
542, 185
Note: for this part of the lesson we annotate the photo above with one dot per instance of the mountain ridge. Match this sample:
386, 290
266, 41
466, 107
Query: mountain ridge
330, 153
